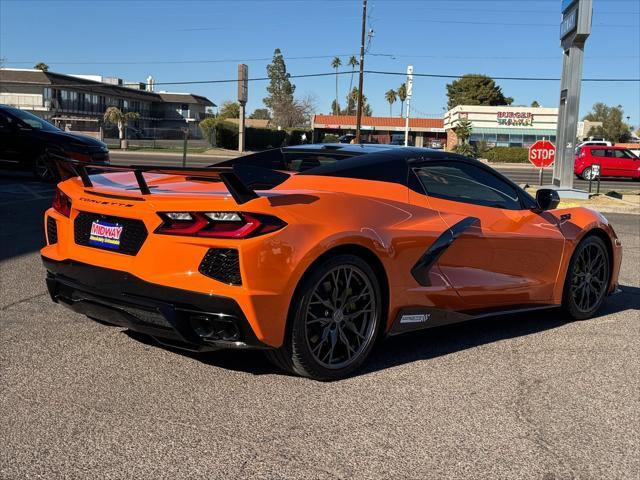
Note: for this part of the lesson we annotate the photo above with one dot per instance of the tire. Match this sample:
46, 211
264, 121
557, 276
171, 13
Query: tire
587, 175
328, 337
45, 170
587, 280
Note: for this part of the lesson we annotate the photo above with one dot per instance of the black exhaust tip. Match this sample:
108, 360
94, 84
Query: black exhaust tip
202, 325
213, 328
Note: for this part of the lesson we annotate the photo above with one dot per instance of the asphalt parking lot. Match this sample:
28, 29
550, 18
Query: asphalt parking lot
528, 396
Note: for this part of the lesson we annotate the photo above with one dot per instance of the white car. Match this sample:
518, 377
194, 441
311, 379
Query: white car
594, 142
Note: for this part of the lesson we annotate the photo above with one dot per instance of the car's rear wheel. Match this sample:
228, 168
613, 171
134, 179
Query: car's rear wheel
589, 174
587, 279
334, 320
44, 169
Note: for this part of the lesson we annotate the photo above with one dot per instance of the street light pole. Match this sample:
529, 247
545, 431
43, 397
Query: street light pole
409, 94
359, 107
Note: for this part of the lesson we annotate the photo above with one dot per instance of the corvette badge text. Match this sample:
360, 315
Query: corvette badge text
106, 235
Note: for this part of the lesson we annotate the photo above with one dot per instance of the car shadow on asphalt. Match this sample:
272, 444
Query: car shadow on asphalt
425, 344
23, 202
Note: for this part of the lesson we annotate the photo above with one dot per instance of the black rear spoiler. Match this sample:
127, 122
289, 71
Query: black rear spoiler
241, 180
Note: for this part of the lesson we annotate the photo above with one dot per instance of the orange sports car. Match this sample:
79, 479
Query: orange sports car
313, 253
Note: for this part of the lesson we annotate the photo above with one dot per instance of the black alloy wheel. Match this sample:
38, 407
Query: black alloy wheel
336, 318
44, 169
587, 279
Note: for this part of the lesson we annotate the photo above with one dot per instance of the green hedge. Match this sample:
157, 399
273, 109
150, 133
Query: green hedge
263, 138
257, 138
507, 154
330, 138
227, 135
294, 136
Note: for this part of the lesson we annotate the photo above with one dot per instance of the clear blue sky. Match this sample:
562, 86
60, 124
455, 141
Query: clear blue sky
130, 39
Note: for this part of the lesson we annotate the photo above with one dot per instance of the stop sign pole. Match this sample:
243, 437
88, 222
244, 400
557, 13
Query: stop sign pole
542, 154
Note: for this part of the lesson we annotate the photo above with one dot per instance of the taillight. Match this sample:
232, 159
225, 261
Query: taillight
218, 224
61, 203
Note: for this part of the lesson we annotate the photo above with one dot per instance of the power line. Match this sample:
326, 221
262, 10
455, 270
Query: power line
517, 24
315, 57
542, 79
518, 57
161, 62
372, 72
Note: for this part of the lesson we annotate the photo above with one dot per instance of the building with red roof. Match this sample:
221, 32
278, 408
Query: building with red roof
427, 132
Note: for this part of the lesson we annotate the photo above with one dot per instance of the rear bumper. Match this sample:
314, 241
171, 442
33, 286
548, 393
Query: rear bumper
180, 318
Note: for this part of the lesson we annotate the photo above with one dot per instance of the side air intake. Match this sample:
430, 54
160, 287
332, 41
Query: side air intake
222, 264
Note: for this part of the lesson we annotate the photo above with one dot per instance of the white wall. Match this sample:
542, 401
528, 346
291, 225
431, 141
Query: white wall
502, 117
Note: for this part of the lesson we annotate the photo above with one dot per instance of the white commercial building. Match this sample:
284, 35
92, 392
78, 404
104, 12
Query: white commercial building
503, 126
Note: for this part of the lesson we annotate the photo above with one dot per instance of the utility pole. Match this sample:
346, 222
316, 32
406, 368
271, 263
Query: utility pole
359, 107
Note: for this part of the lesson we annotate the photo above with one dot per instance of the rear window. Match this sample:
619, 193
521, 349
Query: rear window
294, 161
619, 153
598, 152
300, 162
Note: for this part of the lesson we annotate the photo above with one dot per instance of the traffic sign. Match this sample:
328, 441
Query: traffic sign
542, 153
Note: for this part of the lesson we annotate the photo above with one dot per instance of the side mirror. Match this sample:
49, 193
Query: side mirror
547, 199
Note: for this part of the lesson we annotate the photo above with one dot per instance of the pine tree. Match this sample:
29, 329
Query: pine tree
280, 89
352, 104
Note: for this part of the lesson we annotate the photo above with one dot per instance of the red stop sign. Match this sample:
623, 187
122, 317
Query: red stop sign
542, 153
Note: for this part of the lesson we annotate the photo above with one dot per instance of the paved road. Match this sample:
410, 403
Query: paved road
520, 174
528, 396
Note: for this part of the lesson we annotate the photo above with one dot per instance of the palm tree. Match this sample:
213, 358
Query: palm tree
402, 96
391, 96
353, 63
335, 63
115, 116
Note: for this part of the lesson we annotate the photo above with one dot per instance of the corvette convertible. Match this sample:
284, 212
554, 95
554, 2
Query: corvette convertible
314, 253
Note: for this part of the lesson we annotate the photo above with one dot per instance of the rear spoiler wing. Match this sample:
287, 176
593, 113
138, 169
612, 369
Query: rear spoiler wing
241, 180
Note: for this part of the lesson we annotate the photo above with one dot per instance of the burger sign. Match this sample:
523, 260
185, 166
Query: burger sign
515, 119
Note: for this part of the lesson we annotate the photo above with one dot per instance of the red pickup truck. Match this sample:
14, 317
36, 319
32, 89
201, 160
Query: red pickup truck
613, 161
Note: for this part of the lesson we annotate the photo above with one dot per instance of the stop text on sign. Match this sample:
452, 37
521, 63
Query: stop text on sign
542, 153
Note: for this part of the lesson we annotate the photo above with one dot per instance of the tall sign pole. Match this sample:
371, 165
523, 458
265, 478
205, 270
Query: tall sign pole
359, 107
409, 93
243, 94
574, 31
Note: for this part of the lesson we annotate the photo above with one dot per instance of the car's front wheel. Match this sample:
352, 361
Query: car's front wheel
587, 279
335, 318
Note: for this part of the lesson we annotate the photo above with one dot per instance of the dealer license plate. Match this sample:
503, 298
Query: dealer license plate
105, 234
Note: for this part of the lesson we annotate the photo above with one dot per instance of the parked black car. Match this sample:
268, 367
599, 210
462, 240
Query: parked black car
28, 142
